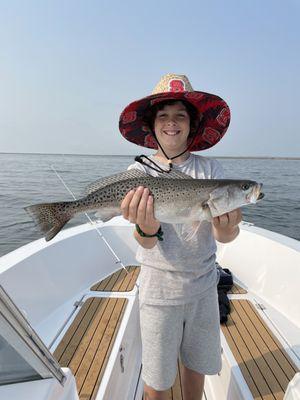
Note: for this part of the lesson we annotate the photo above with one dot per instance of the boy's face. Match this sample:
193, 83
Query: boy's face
172, 126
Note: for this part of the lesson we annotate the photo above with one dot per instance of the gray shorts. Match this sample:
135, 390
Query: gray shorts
190, 331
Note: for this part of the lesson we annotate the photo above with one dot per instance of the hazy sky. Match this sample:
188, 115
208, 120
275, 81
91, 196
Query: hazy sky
68, 68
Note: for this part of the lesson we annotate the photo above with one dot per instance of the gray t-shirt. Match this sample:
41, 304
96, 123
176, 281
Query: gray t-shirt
176, 270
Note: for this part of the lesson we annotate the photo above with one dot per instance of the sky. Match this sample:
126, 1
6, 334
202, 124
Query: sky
69, 68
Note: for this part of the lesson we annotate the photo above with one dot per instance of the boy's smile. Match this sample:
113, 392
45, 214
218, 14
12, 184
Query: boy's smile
171, 132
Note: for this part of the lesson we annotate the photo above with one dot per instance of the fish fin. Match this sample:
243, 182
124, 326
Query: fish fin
190, 230
108, 180
49, 218
213, 208
174, 174
107, 214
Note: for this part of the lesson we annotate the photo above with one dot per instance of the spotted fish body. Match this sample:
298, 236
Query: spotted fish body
178, 198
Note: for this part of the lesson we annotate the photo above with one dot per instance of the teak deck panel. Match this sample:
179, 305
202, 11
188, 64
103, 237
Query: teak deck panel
118, 281
236, 289
86, 346
264, 363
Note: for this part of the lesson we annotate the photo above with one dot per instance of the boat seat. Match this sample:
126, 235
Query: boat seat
119, 281
87, 344
265, 365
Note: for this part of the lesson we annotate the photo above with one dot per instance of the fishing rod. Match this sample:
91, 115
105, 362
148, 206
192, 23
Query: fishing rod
91, 221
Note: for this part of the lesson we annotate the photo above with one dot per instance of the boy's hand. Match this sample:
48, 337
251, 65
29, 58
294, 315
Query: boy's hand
137, 207
225, 227
228, 220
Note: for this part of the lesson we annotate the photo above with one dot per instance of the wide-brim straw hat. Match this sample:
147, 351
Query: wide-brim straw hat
214, 114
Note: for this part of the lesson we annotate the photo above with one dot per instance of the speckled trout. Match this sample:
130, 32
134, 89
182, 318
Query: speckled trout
178, 199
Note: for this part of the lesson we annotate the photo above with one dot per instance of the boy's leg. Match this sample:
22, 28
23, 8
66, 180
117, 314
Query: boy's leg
201, 347
161, 334
192, 384
152, 394
192, 387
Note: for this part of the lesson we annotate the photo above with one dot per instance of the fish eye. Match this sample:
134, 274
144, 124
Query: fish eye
245, 186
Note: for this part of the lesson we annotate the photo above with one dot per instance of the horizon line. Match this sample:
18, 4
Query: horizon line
130, 155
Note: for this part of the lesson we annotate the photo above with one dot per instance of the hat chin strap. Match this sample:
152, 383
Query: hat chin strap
171, 158
157, 167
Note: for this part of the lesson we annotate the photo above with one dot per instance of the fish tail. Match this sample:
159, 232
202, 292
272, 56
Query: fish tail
50, 217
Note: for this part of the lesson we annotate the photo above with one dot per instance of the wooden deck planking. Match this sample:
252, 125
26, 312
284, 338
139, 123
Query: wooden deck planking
265, 365
236, 289
90, 311
86, 345
272, 352
115, 281
257, 355
273, 343
229, 334
86, 353
243, 358
100, 351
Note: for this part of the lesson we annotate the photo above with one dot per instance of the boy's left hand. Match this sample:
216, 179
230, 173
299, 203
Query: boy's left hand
225, 226
228, 220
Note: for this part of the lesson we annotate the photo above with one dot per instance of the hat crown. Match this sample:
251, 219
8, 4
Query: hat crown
173, 83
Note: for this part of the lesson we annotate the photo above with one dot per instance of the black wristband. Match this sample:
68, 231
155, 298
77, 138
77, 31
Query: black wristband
158, 234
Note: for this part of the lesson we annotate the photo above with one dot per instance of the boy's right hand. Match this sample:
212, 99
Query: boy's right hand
137, 207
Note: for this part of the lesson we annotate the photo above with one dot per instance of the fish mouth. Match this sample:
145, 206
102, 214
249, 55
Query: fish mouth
261, 196
256, 194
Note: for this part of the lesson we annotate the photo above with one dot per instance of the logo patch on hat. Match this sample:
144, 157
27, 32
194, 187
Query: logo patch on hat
129, 117
176, 85
211, 135
223, 117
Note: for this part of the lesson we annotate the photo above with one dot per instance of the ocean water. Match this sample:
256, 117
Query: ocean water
27, 179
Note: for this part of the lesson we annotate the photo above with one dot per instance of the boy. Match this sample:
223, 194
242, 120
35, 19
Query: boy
178, 281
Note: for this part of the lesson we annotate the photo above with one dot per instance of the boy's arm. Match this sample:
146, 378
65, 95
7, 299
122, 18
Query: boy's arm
147, 243
225, 227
